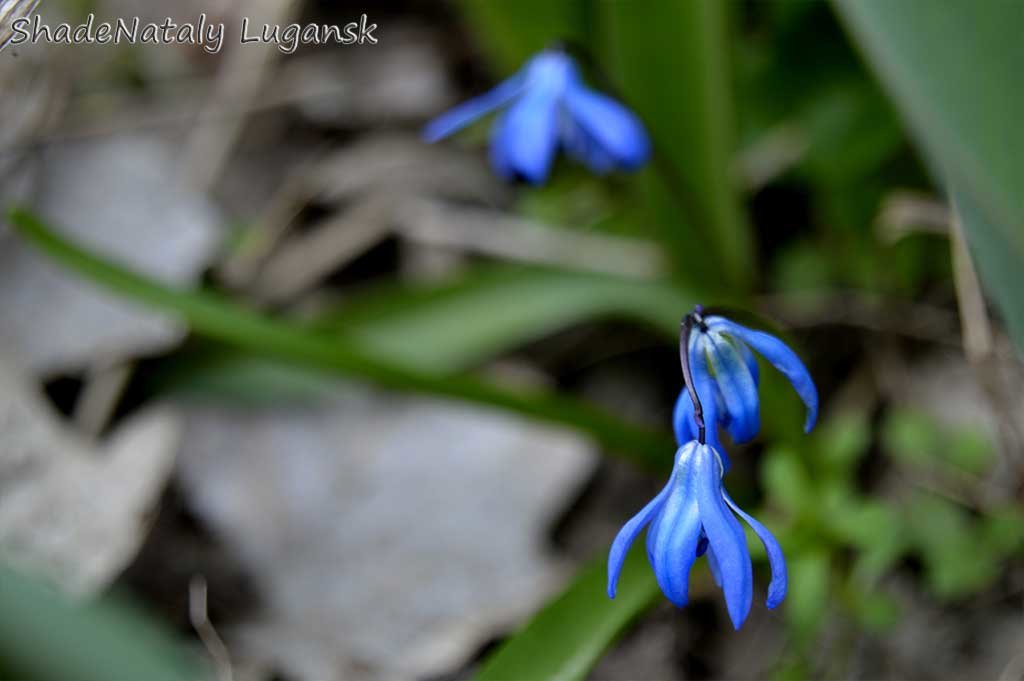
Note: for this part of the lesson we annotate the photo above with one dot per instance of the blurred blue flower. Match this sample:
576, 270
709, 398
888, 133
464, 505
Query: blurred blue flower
725, 376
692, 515
549, 108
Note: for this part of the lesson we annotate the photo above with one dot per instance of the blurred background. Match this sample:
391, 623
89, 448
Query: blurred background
287, 394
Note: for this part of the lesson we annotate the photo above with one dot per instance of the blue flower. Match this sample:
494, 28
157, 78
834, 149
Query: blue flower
725, 376
692, 515
549, 108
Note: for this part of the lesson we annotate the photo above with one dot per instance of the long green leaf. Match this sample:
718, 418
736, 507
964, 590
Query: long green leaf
222, 320
566, 638
513, 31
953, 69
670, 58
440, 329
490, 310
45, 637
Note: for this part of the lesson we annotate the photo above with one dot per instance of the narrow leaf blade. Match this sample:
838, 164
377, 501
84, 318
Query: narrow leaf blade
566, 639
491, 310
953, 69
682, 93
219, 319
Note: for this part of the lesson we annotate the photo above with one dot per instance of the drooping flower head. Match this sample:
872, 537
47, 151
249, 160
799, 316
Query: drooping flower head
692, 516
549, 108
725, 376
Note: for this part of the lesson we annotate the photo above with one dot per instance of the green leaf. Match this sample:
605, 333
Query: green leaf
565, 639
46, 637
221, 320
213, 372
671, 61
912, 436
512, 32
971, 450
877, 612
876, 530
866, 524
490, 310
953, 69
573, 199
441, 329
786, 481
916, 438
956, 562
793, 668
1004, 530
808, 595
875, 560
843, 440
851, 132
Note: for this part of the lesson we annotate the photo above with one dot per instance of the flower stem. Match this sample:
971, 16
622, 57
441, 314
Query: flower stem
694, 318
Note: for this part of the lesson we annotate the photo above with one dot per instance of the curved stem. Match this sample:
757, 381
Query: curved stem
684, 359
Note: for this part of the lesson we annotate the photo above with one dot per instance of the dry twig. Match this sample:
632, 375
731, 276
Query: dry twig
199, 617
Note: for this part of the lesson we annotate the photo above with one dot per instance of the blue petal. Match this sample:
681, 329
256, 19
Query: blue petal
781, 357
737, 387
749, 360
776, 560
675, 544
682, 418
581, 146
551, 71
500, 162
726, 536
624, 539
707, 393
526, 140
716, 572
652, 534
612, 126
469, 111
